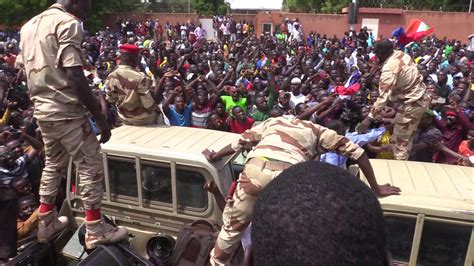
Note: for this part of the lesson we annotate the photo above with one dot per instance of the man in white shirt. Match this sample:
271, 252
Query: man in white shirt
470, 47
296, 96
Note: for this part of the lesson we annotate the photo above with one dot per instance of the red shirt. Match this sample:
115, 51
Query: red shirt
240, 127
464, 149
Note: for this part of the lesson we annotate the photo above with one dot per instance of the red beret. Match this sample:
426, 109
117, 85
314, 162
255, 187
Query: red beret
451, 113
129, 48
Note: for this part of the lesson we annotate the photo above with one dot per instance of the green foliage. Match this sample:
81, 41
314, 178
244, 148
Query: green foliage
211, 7
16, 12
305, 5
102, 7
335, 6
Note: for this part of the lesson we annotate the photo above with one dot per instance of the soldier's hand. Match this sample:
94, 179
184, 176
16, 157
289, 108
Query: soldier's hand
209, 155
104, 130
387, 190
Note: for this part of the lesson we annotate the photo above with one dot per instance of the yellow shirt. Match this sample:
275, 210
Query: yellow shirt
384, 139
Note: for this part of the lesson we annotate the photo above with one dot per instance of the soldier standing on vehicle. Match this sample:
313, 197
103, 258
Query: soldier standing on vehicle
401, 80
129, 90
278, 143
51, 55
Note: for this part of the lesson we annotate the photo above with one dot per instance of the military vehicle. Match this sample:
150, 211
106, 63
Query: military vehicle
432, 221
154, 178
153, 182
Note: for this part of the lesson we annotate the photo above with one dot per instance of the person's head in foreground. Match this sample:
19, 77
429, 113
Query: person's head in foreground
318, 214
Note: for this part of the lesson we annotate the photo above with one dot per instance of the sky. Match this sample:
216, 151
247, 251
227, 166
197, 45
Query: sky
255, 4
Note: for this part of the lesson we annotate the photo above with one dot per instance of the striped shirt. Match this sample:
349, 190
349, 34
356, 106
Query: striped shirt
19, 169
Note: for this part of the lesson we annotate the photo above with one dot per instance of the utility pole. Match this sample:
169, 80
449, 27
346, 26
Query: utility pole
352, 14
470, 6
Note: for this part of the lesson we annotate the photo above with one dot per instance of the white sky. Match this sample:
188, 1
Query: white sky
255, 4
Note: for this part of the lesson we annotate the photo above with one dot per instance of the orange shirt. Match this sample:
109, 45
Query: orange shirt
464, 149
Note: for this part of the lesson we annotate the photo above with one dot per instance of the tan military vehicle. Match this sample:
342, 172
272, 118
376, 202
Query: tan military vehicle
432, 221
154, 178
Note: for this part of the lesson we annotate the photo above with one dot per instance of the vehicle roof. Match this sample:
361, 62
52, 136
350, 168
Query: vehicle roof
172, 141
439, 189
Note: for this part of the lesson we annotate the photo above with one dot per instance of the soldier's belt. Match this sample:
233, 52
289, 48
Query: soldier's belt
265, 163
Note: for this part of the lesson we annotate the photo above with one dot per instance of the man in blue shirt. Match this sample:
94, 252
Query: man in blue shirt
178, 114
359, 139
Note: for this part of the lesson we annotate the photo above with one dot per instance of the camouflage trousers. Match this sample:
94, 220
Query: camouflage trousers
237, 214
406, 123
71, 139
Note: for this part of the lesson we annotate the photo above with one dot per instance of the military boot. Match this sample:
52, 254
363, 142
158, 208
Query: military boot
49, 225
98, 232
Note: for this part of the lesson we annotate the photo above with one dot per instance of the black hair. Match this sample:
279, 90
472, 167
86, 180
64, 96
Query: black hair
384, 46
299, 108
317, 214
28, 197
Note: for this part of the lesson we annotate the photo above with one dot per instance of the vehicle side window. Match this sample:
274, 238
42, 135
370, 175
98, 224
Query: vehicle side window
190, 190
443, 244
399, 233
122, 177
156, 183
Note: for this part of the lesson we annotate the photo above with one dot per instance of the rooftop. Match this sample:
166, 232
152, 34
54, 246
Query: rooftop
429, 188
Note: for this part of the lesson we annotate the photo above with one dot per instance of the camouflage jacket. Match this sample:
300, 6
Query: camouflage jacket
129, 90
294, 141
400, 81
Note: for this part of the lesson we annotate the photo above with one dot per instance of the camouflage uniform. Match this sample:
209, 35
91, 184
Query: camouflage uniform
50, 42
400, 81
129, 91
281, 144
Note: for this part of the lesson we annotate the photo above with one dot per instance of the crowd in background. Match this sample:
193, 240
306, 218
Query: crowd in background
240, 80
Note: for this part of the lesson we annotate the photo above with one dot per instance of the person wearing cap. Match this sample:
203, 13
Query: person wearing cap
131, 91
53, 62
454, 128
400, 81
296, 96
422, 149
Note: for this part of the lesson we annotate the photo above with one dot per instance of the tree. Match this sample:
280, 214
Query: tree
102, 7
211, 7
16, 12
305, 5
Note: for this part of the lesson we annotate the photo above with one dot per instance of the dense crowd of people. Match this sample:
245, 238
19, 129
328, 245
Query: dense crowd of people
239, 81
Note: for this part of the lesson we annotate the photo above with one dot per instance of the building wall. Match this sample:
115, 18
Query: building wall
453, 25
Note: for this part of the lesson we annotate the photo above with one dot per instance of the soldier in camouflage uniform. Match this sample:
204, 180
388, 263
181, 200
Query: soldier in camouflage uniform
399, 81
278, 143
129, 90
52, 58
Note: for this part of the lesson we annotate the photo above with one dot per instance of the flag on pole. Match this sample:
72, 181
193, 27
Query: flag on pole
415, 31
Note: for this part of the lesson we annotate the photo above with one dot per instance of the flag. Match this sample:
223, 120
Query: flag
415, 31
263, 62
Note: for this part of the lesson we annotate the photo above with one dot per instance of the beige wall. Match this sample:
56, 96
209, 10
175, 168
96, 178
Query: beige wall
453, 25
